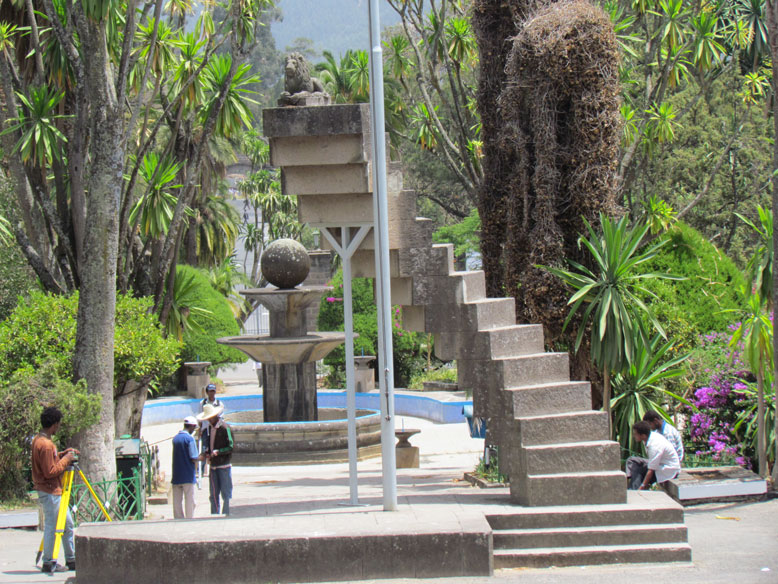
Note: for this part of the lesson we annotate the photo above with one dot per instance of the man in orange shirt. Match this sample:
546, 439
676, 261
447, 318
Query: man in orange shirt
48, 466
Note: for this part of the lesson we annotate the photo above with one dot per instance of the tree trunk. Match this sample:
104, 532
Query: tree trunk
772, 23
129, 408
761, 431
93, 356
606, 396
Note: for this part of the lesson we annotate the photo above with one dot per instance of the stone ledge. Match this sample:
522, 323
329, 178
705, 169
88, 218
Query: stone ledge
327, 547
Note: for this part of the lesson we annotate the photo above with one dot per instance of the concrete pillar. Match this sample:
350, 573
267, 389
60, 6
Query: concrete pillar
197, 377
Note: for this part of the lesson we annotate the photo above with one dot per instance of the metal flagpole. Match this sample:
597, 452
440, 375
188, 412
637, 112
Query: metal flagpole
381, 231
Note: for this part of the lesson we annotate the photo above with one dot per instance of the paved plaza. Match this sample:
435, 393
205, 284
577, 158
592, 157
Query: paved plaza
732, 542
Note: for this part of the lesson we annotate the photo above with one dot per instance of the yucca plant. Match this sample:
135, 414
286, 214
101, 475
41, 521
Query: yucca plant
640, 387
609, 295
40, 141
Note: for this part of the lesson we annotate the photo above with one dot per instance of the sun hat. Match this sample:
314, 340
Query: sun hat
190, 421
209, 412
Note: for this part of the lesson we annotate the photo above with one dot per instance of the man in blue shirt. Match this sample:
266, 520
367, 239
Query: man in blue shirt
184, 461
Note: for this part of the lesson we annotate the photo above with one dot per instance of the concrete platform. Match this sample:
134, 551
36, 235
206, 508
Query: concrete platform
312, 548
711, 484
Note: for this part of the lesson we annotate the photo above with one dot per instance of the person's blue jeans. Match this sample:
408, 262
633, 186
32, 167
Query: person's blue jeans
221, 484
50, 505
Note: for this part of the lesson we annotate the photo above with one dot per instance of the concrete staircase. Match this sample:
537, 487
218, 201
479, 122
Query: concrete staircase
555, 450
648, 529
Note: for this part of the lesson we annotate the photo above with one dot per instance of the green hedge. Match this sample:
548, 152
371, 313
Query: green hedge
695, 305
200, 344
42, 329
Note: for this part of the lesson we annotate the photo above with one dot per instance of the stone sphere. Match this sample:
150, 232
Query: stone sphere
285, 263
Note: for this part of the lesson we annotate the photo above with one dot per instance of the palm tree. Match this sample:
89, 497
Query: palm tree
611, 293
756, 335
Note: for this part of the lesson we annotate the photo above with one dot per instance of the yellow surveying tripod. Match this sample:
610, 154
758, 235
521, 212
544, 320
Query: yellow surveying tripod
67, 490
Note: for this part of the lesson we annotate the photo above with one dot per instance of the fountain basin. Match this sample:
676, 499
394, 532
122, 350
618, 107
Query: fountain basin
322, 441
293, 350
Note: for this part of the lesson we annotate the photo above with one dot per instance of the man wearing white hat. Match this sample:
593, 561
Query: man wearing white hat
218, 453
210, 398
184, 465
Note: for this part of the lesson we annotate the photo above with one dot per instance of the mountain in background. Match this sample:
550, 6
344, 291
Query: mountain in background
332, 25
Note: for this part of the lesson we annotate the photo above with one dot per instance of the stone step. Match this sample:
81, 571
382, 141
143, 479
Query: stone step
318, 150
406, 233
456, 288
601, 535
570, 488
353, 209
544, 399
436, 260
602, 455
592, 555
285, 122
575, 426
485, 314
641, 508
516, 372
497, 343
344, 179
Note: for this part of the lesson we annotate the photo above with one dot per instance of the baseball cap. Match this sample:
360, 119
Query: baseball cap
210, 387
190, 421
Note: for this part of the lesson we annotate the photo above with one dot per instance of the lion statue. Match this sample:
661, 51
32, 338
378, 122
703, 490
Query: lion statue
300, 88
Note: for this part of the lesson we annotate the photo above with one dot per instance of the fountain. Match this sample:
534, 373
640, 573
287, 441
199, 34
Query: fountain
290, 428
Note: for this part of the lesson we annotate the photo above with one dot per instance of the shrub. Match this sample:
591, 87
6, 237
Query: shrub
694, 305
721, 396
200, 340
23, 397
42, 329
408, 357
445, 374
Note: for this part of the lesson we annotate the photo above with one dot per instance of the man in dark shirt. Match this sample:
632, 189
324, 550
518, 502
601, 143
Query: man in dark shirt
218, 453
48, 466
184, 461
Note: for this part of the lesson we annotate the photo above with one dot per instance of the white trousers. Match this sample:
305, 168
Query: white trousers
183, 496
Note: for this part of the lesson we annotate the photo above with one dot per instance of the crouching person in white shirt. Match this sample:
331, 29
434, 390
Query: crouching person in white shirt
663, 463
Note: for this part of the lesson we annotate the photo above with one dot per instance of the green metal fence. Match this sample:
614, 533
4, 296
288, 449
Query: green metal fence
123, 498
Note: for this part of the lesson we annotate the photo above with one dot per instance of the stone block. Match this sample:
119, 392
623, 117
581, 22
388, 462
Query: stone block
574, 426
588, 488
318, 150
515, 372
401, 290
281, 122
602, 455
406, 262
406, 233
335, 210
407, 457
490, 344
325, 180
551, 398
435, 260
481, 315
456, 288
